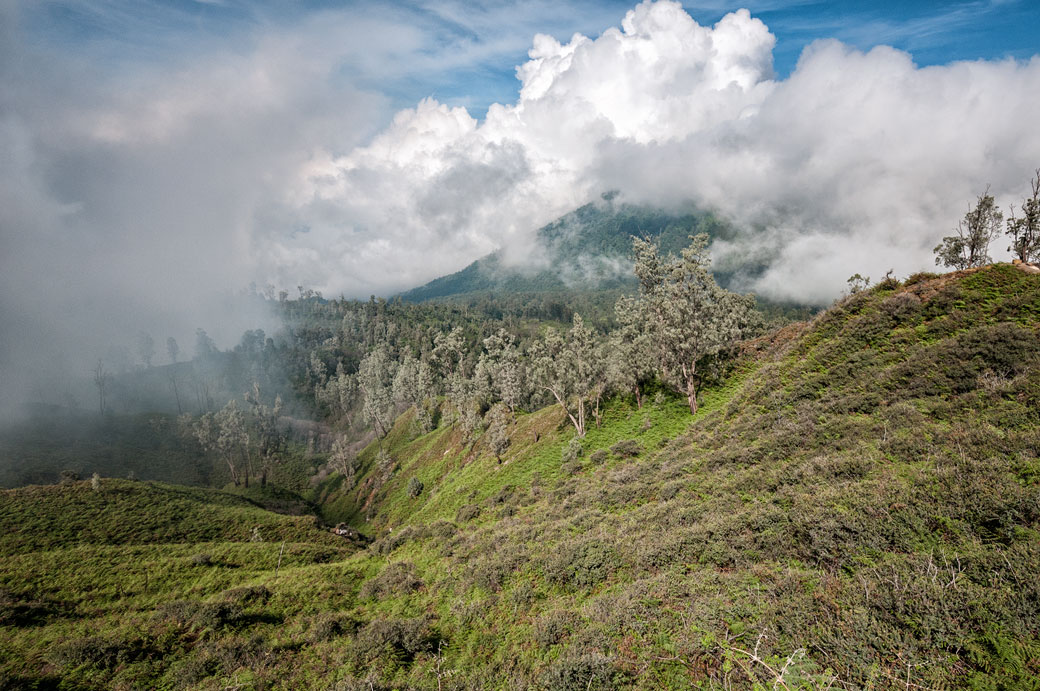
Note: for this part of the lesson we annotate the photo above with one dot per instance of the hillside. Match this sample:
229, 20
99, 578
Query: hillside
854, 506
586, 248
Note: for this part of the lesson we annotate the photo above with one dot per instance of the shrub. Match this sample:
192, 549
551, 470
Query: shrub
467, 513
329, 625
400, 638
553, 627
573, 451
398, 578
583, 673
627, 448
582, 565
415, 487
202, 615
247, 595
598, 456
201, 559
97, 651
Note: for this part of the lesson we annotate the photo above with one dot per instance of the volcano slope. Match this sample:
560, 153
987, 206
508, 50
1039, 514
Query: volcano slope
856, 507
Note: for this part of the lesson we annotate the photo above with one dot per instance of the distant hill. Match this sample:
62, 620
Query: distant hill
588, 248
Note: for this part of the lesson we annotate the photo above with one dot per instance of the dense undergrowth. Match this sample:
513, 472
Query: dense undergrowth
856, 507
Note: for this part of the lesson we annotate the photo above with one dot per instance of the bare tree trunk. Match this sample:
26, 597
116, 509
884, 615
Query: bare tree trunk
176, 392
578, 426
690, 375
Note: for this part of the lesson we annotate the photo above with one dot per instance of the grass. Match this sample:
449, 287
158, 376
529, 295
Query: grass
855, 505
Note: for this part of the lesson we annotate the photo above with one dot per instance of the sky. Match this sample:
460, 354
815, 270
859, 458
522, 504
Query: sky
158, 157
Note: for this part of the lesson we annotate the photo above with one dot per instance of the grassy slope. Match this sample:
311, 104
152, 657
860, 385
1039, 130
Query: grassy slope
860, 500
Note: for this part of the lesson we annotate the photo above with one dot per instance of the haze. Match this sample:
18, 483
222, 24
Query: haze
158, 158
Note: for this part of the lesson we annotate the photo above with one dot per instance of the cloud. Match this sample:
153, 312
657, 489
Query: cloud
437, 189
135, 193
858, 162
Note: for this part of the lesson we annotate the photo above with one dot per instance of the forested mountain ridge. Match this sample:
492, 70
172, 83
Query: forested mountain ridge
589, 247
854, 506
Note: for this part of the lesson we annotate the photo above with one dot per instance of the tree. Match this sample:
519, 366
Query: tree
501, 364
690, 318
172, 349
145, 348
413, 386
970, 246
204, 345
630, 360
569, 369
498, 429
375, 379
232, 441
101, 381
1025, 230
269, 437
344, 461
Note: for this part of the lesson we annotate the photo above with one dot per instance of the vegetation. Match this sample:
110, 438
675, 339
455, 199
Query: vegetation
853, 506
969, 248
521, 497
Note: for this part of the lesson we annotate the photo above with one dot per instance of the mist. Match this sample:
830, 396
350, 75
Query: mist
146, 185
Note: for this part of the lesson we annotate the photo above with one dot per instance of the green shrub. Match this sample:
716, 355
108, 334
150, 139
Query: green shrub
572, 452
585, 673
467, 513
399, 638
329, 625
553, 627
415, 487
626, 448
247, 595
201, 559
398, 578
581, 564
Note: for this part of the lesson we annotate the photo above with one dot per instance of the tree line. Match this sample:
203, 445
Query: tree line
477, 373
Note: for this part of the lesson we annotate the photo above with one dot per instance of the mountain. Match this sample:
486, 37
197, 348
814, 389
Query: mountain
588, 248
854, 506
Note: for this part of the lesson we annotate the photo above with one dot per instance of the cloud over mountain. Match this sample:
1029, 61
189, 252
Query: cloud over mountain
856, 162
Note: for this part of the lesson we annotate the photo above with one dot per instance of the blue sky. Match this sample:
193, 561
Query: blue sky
126, 34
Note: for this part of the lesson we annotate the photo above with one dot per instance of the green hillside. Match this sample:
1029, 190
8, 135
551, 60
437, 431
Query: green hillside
854, 506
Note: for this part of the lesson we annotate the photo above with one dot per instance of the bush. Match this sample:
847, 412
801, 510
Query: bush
598, 456
553, 627
329, 625
247, 595
201, 559
415, 487
581, 674
398, 578
400, 638
97, 651
627, 448
573, 451
582, 565
467, 513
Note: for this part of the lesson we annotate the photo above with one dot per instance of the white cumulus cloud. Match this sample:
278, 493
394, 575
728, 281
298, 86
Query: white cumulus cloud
858, 162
